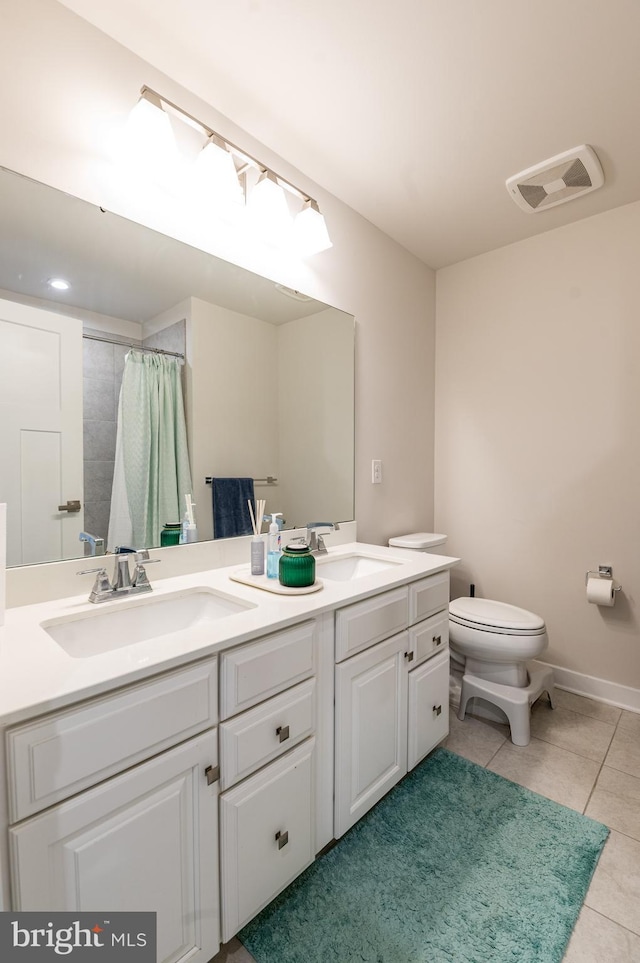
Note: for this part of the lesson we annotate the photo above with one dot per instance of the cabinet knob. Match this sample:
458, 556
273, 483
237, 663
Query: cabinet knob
437, 710
213, 774
437, 640
282, 839
283, 733
409, 656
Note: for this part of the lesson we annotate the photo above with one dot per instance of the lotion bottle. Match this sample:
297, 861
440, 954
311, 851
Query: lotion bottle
274, 549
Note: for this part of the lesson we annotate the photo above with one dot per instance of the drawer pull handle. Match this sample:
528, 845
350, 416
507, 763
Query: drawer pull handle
282, 839
437, 640
409, 656
213, 774
283, 734
437, 710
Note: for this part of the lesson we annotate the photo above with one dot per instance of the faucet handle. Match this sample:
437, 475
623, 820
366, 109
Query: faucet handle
140, 579
101, 587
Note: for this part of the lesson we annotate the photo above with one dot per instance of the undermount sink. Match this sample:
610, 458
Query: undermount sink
145, 619
348, 567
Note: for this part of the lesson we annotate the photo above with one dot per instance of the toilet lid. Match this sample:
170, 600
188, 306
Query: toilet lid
418, 540
497, 615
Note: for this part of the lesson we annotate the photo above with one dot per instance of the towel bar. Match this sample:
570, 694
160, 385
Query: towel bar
269, 480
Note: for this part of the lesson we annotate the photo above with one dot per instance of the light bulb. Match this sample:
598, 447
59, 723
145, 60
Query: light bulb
148, 145
310, 235
58, 284
215, 180
268, 211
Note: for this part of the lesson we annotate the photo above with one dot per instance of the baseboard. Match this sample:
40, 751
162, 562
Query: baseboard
601, 690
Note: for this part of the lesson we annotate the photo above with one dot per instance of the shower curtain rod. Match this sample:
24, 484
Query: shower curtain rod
136, 347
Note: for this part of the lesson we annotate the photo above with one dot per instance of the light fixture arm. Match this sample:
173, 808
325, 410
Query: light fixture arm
249, 161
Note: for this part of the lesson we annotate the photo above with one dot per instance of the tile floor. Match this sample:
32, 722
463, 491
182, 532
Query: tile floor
585, 755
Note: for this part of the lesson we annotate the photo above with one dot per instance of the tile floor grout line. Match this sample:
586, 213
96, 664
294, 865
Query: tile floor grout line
595, 783
573, 752
489, 761
604, 917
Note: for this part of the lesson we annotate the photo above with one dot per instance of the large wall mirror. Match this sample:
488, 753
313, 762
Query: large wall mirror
268, 374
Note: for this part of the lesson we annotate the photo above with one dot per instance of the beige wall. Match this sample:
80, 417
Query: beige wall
315, 401
224, 379
538, 432
67, 89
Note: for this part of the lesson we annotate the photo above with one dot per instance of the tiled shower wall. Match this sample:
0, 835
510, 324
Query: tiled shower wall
103, 365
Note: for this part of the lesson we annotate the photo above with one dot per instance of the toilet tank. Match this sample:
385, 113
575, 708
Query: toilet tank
429, 542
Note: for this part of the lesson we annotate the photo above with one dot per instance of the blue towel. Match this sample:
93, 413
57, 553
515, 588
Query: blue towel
230, 510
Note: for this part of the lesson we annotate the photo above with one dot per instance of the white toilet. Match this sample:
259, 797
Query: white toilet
490, 644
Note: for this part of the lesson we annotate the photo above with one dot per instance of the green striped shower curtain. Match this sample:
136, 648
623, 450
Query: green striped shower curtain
152, 474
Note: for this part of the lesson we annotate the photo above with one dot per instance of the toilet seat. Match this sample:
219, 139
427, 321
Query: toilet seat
500, 618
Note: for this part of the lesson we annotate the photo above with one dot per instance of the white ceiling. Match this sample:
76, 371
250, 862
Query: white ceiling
412, 112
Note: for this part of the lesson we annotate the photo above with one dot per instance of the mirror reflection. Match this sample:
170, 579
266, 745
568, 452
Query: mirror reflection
266, 376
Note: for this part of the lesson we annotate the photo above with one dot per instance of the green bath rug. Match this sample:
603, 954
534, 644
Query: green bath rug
455, 864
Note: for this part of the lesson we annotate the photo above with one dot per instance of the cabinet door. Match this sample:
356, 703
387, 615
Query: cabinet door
428, 706
266, 835
371, 728
144, 840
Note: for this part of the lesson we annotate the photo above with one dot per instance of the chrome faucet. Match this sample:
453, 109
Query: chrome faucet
315, 541
122, 583
95, 543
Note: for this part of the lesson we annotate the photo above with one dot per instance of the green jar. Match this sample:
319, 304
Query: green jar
297, 566
170, 534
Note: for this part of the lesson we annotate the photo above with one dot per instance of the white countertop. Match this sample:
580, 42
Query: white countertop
37, 675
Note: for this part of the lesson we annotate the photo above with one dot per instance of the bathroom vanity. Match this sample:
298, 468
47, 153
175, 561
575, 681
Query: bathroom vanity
191, 751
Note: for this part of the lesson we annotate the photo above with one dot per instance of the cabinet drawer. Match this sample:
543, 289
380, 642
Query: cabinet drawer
364, 623
257, 670
428, 637
261, 734
71, 750
428, 596
266, 835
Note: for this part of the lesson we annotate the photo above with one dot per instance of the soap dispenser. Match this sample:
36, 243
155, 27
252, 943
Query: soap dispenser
274, 549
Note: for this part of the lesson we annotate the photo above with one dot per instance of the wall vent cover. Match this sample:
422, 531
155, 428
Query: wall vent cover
559, 179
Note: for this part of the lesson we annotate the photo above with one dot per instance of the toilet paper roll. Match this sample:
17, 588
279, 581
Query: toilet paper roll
600, 591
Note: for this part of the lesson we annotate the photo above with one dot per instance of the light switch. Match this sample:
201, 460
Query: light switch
376, 472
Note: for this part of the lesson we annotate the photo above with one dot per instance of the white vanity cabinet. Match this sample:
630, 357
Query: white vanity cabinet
145, 838
202, 792
268, 765
392, 696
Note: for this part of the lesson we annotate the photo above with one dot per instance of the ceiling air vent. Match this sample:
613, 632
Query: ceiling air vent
560, 179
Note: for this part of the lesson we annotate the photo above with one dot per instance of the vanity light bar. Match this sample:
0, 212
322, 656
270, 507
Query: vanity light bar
147, 93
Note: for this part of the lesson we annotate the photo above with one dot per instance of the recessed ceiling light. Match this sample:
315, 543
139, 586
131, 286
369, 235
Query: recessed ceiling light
59, 284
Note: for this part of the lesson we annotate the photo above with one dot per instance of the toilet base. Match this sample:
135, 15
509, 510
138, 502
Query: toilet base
514, 701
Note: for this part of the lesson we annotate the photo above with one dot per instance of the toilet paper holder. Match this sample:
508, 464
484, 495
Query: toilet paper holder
604, 571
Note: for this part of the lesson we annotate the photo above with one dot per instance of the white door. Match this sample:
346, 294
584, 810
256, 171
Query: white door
428, 707
371, 728
145, 840
40, 432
